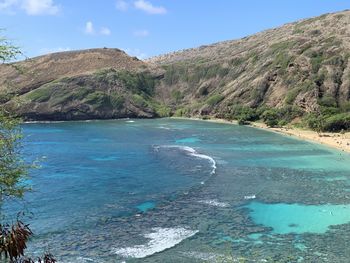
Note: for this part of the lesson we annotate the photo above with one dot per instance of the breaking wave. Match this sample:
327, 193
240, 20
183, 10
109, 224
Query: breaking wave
214, 203
160, 239
192, 152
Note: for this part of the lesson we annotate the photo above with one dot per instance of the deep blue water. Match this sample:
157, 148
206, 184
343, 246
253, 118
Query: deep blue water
184, 191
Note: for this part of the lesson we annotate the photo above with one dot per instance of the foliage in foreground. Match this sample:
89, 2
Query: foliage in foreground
13, 172
13, 240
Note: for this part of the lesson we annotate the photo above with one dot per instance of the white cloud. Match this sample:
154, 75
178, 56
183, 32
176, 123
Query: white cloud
149, 8
121, 5
31, 7
105, 31
40, 7
6, 5
135, 52
141, 33
89, 28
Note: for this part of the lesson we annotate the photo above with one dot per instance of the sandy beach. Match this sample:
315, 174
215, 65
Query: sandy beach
335, 140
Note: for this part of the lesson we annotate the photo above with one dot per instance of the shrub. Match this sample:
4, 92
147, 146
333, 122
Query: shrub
242, 121
331, 123
337, 123
271, 117
173, 73
243, 114
181, 112
163, 111
97, 99
280, 116
289, 113
291, 95
281, 46
316, 61
327, 101
345, 106
328, 111
62, 93
314, 121
177, 95
41, 94
117, 101
140, 82
139, 101
214, 99
282, 60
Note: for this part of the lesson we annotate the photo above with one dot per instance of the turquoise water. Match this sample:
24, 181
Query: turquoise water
295, 218
184, 191
144, 207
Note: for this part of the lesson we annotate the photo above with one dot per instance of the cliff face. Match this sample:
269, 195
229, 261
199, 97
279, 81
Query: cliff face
303, 64
88, 84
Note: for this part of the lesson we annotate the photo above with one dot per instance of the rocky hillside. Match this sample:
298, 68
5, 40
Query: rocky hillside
88, 84
303, 66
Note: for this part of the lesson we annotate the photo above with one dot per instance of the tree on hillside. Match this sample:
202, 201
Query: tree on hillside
8, 52
13, 172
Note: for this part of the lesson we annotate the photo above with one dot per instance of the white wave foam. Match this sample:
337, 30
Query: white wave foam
78, 260
163, 127
194, 153
130, 121
211, 257
159, 240
249, 197
214, 203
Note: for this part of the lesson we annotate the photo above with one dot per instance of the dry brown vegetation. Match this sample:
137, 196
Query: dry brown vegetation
302, 65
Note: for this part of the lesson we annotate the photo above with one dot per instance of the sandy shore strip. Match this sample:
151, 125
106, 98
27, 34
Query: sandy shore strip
335, 140
340, 141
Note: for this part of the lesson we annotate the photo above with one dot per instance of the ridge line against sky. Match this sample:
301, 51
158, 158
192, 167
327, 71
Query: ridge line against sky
145, 28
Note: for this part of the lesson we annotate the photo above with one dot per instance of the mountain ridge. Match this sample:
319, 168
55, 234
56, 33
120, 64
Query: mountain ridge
302, 66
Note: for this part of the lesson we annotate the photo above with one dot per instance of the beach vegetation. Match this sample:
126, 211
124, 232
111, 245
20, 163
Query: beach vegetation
274, 117
162, 110
337, 123
328, 121
181, 112
243, 114
270, 117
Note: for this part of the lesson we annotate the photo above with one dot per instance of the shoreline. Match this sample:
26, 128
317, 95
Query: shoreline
335, 140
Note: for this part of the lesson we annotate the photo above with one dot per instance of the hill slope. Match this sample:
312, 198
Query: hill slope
302, 68
88, 84
303, 64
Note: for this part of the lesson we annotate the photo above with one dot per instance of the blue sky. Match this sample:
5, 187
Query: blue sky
146, 28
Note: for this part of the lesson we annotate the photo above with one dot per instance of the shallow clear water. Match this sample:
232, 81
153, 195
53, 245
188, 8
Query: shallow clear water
184, 191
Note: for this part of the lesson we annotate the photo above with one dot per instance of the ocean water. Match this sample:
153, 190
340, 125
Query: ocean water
183, 191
